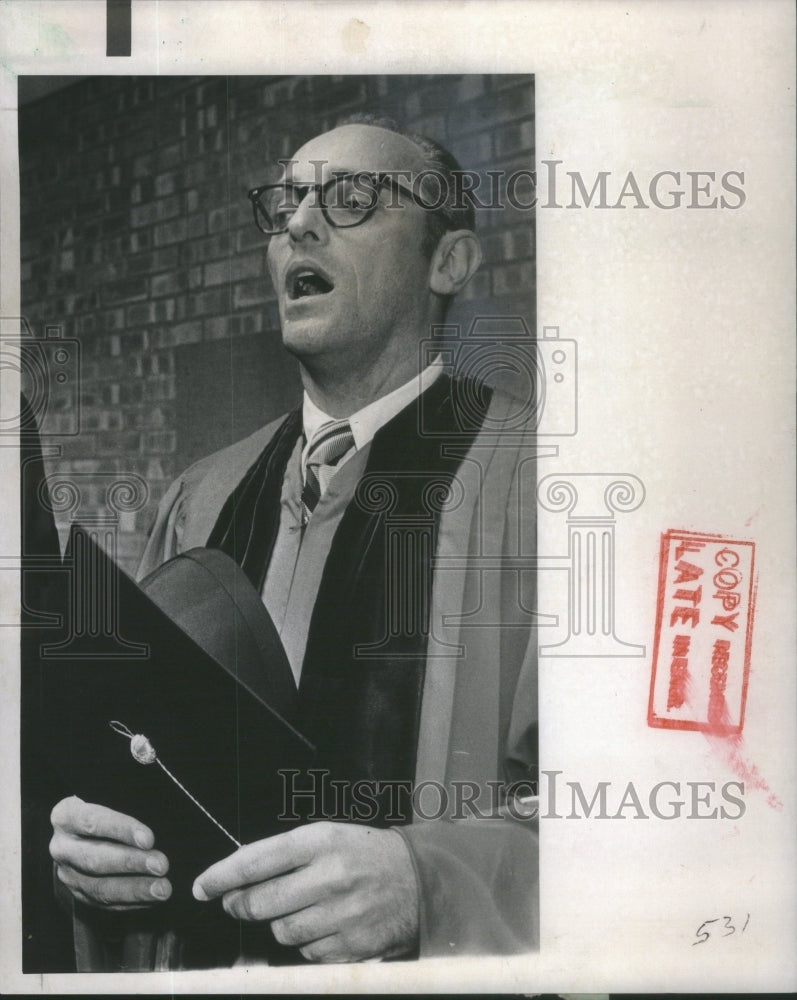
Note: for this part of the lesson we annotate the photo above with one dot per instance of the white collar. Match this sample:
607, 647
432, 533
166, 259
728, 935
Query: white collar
367, 421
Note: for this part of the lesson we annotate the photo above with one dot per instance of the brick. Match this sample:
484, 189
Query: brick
116, 200
216, 300
143, 215
154, 470
124, 290
497, 247
478, 287
141, 139
140, 240
118, 442
165, 184
487, 112
162, 387
234, 269
217, 272
205, 142
512, 278
169, 156
245, 266
148, 418
181, 333
165, 310
140, 263
84, 465
523, 242
249, 237
218, 220
171, 232
86, 325
194, 173
166, 259
252, 292
125, 393
206, 249
169, 283
504, 80
139, 314
241, 213
143, 190
471, 85
221, 327
160, 442
196, 226
515, 138
83, 446
167, 208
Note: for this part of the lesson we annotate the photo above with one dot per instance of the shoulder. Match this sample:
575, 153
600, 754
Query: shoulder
190, 508
227, 466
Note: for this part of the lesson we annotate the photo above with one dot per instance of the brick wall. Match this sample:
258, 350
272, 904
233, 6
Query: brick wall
138, 242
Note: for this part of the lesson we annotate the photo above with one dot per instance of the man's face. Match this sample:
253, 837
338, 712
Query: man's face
378, 276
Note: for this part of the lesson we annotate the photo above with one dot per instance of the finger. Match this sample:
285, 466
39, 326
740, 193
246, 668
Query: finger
87, 819
256, 862
276, 897
115, 890
302, 928
105, 857
327, 949
116, 907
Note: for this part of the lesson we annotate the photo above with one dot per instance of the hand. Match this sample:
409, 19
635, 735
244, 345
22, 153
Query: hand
105, 858
337, 891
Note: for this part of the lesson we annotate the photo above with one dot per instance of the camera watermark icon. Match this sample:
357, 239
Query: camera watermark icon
49, 377
538, 375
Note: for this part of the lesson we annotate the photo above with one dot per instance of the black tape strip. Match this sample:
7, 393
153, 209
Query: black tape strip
118, 31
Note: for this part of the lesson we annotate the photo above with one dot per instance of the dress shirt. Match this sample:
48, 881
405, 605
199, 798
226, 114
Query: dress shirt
297, 561
365, 422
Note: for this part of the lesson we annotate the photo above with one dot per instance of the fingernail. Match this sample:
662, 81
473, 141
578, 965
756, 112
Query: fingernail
156, 866
199, 893
160, 890
141, 837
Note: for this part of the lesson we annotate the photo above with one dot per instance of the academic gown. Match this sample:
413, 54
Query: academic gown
477, 867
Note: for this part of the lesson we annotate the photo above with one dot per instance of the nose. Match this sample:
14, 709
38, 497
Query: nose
308, 220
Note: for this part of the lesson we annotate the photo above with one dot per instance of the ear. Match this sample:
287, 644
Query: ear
454, 262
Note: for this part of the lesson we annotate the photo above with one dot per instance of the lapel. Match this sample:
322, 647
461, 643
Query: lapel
247, 526
363, 672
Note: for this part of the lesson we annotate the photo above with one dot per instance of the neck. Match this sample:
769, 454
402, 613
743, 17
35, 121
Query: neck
342, 393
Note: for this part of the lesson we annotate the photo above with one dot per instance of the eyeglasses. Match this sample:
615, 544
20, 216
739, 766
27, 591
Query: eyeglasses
346, 200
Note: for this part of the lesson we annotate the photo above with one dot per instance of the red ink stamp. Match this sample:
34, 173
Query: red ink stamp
704, 627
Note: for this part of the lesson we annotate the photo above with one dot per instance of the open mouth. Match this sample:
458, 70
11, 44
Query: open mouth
307, 282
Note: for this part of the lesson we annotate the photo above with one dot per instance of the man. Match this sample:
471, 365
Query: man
364, 269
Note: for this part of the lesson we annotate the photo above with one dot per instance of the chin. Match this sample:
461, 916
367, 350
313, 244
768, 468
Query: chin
306, 339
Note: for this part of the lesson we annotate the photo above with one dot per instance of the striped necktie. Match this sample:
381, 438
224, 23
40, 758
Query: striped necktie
331, 442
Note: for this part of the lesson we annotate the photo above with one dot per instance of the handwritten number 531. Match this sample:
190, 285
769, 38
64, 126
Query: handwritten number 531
723, 928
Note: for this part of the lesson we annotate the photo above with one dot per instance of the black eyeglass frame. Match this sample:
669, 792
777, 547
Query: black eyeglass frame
378, 179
